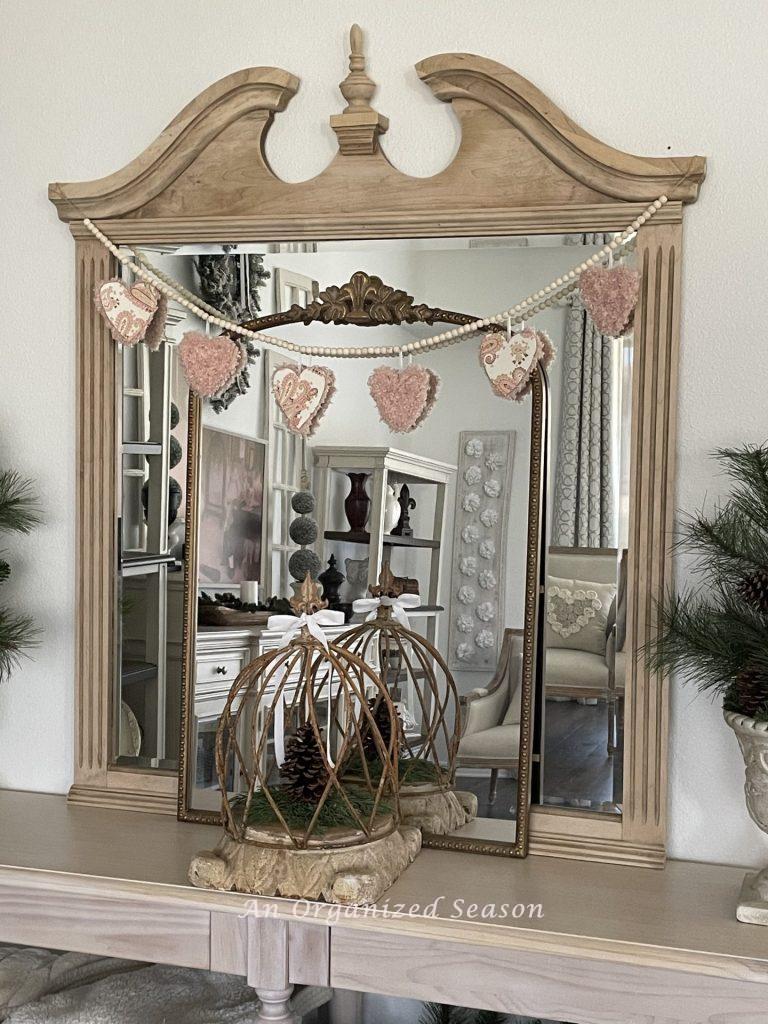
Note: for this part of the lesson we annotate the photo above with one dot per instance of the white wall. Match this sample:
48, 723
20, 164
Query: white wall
86, 85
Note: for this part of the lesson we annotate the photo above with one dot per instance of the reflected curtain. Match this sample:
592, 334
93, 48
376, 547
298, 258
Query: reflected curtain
583, 505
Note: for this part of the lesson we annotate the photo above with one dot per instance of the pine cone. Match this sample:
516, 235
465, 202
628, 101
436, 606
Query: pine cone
748, 694
383, 722
754, 590
304, 768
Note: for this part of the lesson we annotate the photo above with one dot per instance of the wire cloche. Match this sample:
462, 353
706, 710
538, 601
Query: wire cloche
410, 666
307, 747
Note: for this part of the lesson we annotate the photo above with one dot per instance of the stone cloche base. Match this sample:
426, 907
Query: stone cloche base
351, 875
434, 811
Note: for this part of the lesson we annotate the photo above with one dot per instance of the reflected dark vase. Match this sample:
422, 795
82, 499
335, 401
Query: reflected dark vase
357, 504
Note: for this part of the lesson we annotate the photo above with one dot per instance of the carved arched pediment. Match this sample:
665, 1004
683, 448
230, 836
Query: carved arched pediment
518, 151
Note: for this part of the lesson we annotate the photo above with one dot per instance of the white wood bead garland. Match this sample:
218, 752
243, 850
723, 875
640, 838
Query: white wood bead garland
516, 313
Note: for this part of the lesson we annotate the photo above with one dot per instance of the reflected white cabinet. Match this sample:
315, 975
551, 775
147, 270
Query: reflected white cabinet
419, 554
221, 654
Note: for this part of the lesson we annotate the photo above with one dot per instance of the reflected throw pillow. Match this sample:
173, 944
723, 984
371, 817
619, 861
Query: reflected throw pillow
577, 613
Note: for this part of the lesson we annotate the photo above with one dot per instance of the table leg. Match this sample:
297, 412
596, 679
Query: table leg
276, 1006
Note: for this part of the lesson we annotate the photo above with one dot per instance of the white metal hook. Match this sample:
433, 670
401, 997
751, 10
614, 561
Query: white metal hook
509, 328
400, 356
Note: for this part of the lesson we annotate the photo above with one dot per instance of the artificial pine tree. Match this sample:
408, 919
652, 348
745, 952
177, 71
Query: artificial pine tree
304, 768
716, 635
19, 513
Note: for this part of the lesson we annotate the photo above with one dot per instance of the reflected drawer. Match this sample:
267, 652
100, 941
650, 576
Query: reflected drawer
220, 670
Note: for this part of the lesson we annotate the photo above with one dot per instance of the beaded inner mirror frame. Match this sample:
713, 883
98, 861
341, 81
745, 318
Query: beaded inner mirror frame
522, 167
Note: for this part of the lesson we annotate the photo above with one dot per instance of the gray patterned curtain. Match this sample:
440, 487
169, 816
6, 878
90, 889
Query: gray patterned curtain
583, 513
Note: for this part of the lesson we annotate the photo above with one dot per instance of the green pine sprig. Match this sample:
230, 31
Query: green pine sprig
19, 513
19, 509
17, 634
711, 634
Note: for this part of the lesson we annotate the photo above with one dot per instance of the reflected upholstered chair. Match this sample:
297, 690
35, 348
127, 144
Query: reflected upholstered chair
491, 716
588, 674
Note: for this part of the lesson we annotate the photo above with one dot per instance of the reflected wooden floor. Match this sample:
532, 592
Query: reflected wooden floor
506, 795
578, 770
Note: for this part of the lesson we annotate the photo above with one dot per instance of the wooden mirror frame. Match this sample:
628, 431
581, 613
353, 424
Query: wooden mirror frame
522, 167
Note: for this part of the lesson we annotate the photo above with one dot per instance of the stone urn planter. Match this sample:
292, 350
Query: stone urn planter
753, 740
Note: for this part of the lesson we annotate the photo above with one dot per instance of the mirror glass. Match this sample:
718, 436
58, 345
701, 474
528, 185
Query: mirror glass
152, 467
445, 505
585, 600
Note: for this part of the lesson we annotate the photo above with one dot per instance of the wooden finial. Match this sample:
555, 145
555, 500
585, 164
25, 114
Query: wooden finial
387, 585
307, 600
359, 127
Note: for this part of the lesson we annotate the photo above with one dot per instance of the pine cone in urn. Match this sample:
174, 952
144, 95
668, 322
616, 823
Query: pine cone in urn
748, 695
754, 590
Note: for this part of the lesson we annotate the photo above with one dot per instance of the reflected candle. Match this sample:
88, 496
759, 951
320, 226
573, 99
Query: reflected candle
249, 592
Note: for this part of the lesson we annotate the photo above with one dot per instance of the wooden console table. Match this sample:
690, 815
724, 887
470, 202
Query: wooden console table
614, 945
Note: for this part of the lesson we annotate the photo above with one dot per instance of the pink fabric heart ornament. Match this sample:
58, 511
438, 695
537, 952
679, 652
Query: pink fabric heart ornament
610, 295
155, 333
303, 393
509, 362
129, 311
210, 364
404, 398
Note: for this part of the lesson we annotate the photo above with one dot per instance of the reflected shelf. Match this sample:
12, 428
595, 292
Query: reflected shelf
389, 540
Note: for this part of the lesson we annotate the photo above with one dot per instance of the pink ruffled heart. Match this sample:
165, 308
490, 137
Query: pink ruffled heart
129, 311
210, 364
404, 398
610, 295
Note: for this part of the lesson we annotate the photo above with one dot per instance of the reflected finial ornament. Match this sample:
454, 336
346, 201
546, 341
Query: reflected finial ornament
359, 126
307, 600
387, 585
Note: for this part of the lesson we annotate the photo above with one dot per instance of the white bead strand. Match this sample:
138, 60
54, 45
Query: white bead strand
537, 301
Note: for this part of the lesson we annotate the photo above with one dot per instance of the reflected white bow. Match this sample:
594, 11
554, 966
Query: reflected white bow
397, 604
291, 626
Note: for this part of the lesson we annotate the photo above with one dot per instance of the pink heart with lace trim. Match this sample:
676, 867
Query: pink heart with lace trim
210, 364
404, 398
129, 311
509, 362
610, 295
303, 394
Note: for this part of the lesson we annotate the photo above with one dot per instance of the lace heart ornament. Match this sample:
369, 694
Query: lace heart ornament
610, 295
303, 394
210, 364
509, 361
129, 311
404, 398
